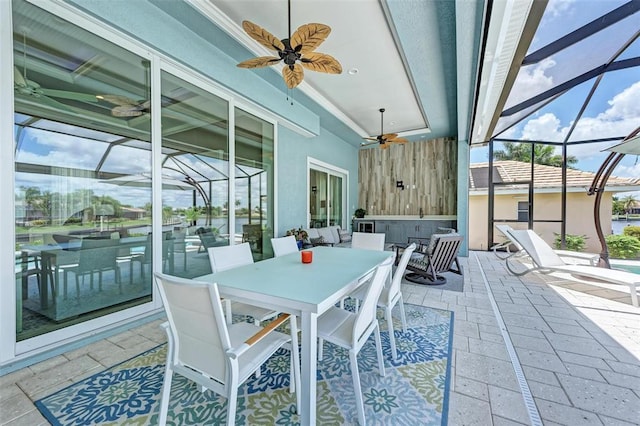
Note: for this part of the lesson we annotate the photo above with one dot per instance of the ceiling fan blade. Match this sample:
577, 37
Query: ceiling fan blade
292, 77
398, 140
18, 79
125, 111
384, 146
321, 62
259, 62
309, 36
389, 136
63, 94
371, 139
117, 100
370, 143
44, 100
262, 36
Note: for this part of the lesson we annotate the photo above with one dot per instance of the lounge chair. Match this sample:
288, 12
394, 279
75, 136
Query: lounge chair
592, 258
546, 260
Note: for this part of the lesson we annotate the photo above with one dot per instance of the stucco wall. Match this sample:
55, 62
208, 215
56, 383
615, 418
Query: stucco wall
546, 207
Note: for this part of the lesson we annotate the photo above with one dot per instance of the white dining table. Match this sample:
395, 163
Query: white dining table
285, 284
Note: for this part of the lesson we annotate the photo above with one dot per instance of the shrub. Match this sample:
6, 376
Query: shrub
623, 246
632, 231
574, 242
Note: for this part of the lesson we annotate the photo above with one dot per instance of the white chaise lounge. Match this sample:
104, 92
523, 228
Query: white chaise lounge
546, 260
567, 255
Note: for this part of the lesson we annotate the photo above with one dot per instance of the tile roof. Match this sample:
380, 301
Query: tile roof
545, 177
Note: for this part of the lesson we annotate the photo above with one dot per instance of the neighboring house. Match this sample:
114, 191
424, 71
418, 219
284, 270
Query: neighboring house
133, 213
634, 208
511, 201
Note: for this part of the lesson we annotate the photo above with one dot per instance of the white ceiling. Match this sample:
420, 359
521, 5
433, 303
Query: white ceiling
364, 37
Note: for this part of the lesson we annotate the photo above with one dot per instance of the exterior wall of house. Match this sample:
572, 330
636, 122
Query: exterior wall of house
580, 219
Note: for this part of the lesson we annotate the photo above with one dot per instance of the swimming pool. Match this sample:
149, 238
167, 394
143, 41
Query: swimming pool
630, 266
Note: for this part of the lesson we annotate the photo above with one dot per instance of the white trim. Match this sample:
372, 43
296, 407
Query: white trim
231, 148
156, 176
7, 198
63, 336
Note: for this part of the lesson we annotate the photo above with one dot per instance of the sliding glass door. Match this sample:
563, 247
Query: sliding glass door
327, 196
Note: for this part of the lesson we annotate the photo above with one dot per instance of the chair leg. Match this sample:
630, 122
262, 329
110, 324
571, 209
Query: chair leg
379, 348
164, 399
403, 317
634, 295
392, 338
355, 374
231, 406
295, 360
320, 349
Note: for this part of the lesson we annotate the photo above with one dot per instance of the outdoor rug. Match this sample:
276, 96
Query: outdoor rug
414, 390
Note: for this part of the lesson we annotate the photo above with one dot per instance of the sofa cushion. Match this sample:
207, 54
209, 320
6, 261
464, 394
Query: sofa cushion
345, 237
317, 241
335, 231
312, 233
328, 235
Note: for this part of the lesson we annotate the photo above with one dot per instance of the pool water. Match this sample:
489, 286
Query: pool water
627, 267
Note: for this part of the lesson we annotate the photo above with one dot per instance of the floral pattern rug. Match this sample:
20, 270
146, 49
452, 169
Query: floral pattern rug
414, 390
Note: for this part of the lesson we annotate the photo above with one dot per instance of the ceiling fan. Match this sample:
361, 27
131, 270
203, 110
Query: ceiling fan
384, 139
126, 107
23, 86
296, 51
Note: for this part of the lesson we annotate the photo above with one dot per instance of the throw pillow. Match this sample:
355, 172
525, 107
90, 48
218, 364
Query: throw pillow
345, 237
317, 241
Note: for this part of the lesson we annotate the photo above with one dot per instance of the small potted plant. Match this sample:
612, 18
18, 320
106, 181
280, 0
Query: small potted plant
299, 234
360, 213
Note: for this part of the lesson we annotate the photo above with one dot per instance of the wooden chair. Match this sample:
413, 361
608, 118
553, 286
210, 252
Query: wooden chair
204, 349
440, 256
352, 330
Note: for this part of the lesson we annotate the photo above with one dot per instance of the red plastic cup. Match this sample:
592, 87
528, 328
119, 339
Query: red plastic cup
307, 256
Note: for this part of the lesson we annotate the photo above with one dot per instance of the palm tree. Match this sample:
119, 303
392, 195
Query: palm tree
629, 202
617, 206
543, 154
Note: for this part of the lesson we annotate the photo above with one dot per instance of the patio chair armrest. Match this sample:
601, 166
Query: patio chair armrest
236, 352
592, 258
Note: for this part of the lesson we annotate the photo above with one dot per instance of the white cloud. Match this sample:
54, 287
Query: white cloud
620, 119
544, 128
632, 171
558, 8
531, 81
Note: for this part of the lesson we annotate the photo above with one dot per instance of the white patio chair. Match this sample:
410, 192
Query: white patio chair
546, 260
390, 296
284, 245
228, 257
202, 348
352, 330
367, 241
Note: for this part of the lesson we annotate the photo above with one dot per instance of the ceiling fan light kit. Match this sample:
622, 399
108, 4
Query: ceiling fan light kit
296, 51
384, 139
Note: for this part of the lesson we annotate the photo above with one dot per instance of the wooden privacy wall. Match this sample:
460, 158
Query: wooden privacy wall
428, 170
